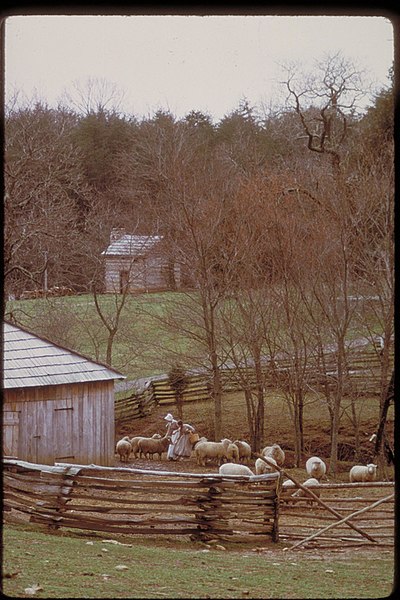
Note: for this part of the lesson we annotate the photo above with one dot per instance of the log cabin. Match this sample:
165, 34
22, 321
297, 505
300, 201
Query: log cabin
137, 263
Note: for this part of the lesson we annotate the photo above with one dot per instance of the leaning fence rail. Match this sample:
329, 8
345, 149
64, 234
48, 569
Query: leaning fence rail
305, 522
144, 502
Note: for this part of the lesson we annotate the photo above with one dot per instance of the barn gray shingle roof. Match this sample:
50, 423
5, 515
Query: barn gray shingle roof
132, 245
33, 361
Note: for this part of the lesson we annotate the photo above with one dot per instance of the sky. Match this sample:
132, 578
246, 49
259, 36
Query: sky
184, 63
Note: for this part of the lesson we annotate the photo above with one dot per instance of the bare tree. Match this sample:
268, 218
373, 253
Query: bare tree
43, 181
326, 103
94, 95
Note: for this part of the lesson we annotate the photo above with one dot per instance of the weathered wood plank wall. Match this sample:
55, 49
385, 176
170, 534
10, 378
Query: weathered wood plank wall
73, 422
145, 273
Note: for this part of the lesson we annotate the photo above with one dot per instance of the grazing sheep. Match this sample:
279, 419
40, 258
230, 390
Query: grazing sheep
151, 446
234, 469
363, 473
124, 449
275, 452
135, 440
315, 467
215, 451
309, 483
262, 467
244, 450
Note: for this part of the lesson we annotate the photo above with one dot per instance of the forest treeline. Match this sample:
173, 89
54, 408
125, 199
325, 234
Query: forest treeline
281, 222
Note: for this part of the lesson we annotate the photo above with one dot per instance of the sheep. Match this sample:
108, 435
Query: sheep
287, 489
363, 473
202, 439
276, 452
262, 467
315, 467
232, 453
135, 440
211, 451
151, 446
309, 483
234, 469
244, 450
124, 448
288, 485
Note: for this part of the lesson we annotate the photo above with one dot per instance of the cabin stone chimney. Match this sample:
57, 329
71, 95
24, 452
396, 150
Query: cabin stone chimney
116, 234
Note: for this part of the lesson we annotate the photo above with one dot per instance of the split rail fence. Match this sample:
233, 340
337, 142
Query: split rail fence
363, 378
134, 501
305, 522
204, 506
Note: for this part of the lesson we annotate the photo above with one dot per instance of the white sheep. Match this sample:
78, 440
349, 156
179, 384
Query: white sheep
134, 443
262, 467
287, 489
232, 453
234, 469
309, 483
151, 446
244, 450
275, 452
315, 467
124, 448
363, 473
215, 451
288, 484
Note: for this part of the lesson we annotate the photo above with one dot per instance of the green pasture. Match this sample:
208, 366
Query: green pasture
76, 565
144, 344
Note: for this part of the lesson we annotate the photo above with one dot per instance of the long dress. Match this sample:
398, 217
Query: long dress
174, 431
182, 445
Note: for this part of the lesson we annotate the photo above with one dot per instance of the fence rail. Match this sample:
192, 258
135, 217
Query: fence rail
135, 501
363, 378
302, 519
203, 506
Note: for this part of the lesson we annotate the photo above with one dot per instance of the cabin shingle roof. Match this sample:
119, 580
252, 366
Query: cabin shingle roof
132, 245
32, 361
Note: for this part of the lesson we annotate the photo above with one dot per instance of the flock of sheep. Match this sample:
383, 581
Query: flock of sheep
232, 456
141, 446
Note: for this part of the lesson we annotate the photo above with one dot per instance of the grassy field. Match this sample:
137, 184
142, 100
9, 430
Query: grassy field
141, 347
144, 344
74, 565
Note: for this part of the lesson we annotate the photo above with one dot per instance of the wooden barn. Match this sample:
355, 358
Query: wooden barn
137, 261
58, 406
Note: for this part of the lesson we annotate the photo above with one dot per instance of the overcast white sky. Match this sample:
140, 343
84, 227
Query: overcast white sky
184, 63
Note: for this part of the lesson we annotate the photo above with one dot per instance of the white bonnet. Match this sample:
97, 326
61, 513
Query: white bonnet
169, 417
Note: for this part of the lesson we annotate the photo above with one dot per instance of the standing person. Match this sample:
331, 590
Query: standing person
173, 430
182, 445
